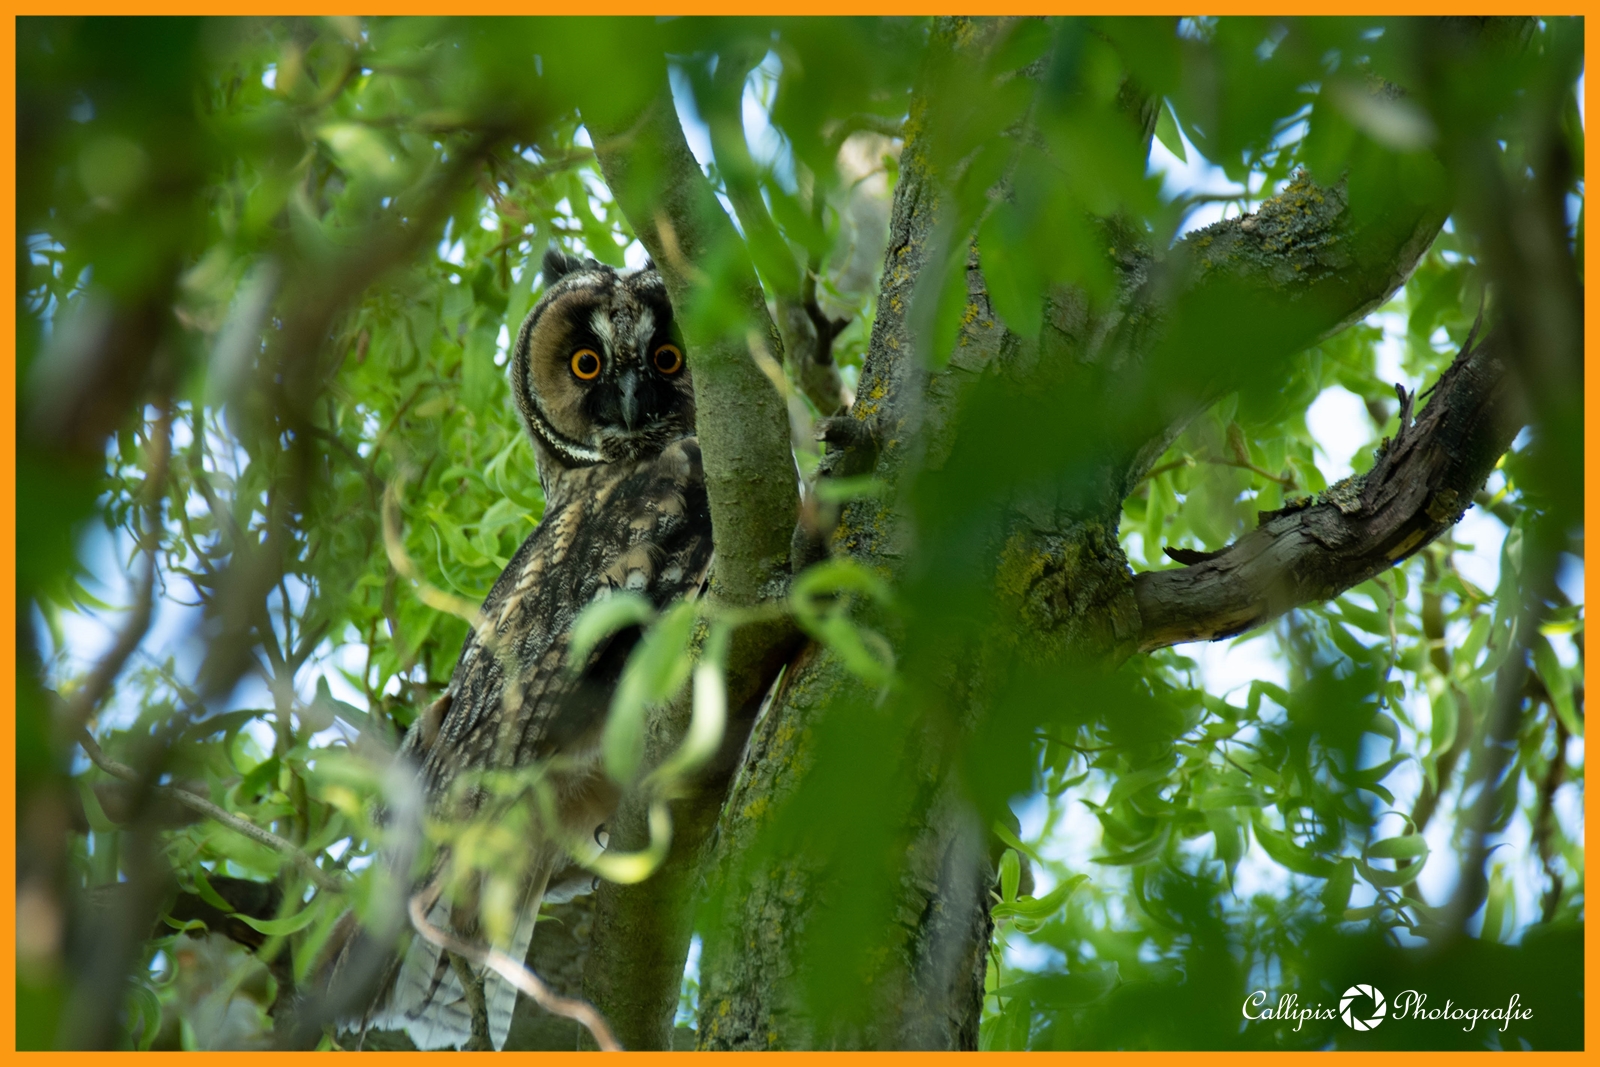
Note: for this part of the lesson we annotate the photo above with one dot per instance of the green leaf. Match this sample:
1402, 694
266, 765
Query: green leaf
1558, 683
1144, 853
601, 619
841, 575
1391, 879
1499, 908
1229, 796
1010, 875
1003, 832
841, 490
1137, 781
264, 776
1228, 836
1408, 847
329, 705
1038, 909
1290, 855
873, 664
282, 927
1384, 726
202, 886
1466, 656
1167, 132
656, 670
1370, 621
830, 624
1446, 717
228, 722
1258, 689
148, 1006
1336, 893
1016, 284
99, 821
361, 151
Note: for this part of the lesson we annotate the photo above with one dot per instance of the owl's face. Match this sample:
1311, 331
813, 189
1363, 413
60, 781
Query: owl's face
599, 371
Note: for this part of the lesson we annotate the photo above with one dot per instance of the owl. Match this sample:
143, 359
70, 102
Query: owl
598, 374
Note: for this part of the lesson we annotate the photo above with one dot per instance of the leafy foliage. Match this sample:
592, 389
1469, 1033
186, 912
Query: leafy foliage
325, 234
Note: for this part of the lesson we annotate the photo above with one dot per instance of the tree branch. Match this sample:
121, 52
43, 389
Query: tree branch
1422, 483
743, 424
198, 803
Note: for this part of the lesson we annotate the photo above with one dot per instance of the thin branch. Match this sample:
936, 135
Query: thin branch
86, 699
1421, 485
1285, 480
1544, 822
1178, 464
530, 984
81, 708
196, 802
865, 122
742, 421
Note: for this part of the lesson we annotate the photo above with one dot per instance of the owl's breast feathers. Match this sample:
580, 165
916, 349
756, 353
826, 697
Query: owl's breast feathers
641, 526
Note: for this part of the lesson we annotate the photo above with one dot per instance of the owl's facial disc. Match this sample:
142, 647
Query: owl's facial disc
600, 374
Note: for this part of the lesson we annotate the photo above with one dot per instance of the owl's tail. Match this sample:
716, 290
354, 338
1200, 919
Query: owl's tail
428, 1000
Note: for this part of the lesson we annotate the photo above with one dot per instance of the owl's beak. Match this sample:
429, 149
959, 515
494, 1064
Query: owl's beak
628, 386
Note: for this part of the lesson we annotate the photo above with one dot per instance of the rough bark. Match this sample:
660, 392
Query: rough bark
753, 978
1305, 265
1420, 485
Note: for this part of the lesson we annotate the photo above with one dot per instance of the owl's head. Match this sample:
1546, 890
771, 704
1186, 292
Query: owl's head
598, 371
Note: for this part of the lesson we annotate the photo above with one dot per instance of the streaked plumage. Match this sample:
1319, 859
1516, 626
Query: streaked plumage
625, 510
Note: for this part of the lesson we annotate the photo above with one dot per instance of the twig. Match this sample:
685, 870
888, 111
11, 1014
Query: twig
580, 1011
196, 802
88, 696
865, 122
1544, 820
827, 329
82, 706
1178, 464
1406, 402
674, 251
1285, 480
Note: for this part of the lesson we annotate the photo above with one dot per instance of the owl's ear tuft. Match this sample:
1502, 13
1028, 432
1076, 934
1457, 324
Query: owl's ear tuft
649, 263
558, 264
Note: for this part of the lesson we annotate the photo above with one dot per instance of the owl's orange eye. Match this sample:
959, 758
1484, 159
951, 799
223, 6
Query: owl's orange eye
586, 364
669, 359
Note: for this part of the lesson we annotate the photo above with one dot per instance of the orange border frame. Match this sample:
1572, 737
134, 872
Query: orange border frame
8, 420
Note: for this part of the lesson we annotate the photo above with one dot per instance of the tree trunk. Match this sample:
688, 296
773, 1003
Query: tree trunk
1061, 590
756, 989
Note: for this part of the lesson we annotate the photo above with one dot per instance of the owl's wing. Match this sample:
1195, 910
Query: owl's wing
643, 527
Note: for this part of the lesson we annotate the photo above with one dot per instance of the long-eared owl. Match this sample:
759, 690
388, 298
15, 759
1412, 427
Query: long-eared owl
599, 376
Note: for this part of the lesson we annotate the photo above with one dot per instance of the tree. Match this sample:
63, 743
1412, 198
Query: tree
265, 275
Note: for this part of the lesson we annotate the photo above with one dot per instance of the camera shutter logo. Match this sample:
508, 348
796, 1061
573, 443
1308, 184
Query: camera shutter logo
1347, 1004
